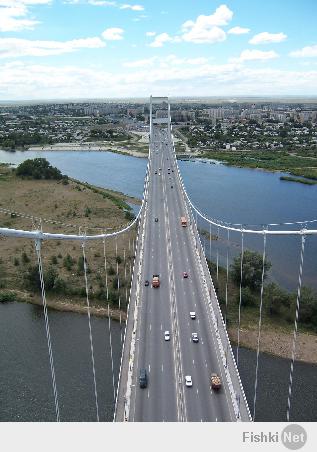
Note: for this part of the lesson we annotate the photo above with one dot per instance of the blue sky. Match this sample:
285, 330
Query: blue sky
104, 48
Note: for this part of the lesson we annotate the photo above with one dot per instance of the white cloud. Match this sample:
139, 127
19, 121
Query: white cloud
150, 33
146, 62
206, 29
13, 14
14, 47
267, 38
160, 39
101, 3
220, 17
305, 52
132, 7
26, 81
238, 31
203, 35
113, 34
249, 55
163, 62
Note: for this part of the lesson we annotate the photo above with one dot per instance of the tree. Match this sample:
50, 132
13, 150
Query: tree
38, 168
278, 301
32, 278
251, 269
308, 307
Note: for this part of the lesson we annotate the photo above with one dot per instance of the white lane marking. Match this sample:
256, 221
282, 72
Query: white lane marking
149, 368
206, 364
148, 393
162, 367
216, 419
150, 326
161, 327
193, 362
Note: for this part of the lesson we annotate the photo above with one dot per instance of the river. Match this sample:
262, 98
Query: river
231, 194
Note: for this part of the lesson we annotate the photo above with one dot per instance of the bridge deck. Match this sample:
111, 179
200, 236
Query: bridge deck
169, 250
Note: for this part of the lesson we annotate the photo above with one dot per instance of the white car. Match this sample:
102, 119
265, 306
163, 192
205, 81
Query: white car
188, 381
167, 336
195, 337
192, 315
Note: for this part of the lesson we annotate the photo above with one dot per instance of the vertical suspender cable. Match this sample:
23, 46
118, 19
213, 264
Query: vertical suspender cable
210, 242
259, 327
111, 355
217, 254
47, 328
90, 333
109, 323
240, 294
295, 326
106, 270
227, 278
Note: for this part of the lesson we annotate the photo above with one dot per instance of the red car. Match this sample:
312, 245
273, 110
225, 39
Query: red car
185, 275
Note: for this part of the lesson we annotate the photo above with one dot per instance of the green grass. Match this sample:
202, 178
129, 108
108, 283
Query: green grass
268, 160
300, 181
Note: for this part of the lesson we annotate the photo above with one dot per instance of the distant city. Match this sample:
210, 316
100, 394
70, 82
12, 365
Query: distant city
227, 126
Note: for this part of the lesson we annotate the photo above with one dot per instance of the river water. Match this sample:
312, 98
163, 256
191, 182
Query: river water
231, 194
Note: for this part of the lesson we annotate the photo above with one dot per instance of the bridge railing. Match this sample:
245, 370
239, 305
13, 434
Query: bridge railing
123, 395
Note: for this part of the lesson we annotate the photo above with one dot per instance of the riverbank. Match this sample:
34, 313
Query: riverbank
278, 343
65, 206
301, 165
65, 305
139, 150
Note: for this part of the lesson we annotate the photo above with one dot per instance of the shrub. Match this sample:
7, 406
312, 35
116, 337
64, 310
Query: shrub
252, 269
7, 297
25, 258
16, 262
32, 278
54, 260
118, 260
115, 283
68, 262
277, 300
248, 298
111, 271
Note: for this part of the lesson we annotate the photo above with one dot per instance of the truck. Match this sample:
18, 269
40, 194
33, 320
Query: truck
183, 221
156, 281
215, 381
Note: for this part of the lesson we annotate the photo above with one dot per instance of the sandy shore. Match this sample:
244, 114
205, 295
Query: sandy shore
88, 147
279, 343
67, 306
276, 343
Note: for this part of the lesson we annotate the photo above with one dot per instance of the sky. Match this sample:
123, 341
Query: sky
67, 49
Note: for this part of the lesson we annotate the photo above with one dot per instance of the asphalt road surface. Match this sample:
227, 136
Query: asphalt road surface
169, 251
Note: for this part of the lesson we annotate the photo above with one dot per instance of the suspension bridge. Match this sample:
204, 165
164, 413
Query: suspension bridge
175, 334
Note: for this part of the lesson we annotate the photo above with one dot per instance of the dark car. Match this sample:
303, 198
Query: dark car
171, 186
147, 282
156, 220
143, 378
